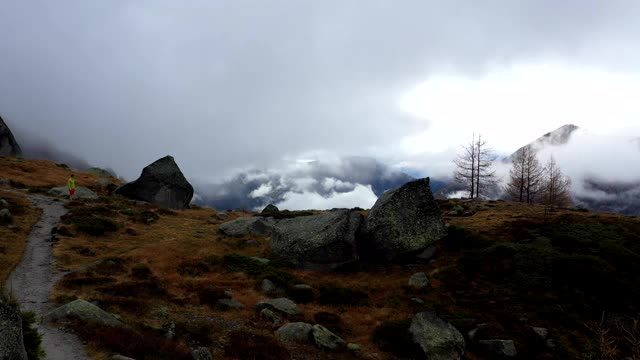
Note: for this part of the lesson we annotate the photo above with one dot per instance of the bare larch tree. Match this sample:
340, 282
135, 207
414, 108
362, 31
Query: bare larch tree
556, 185
526, 177
474, 167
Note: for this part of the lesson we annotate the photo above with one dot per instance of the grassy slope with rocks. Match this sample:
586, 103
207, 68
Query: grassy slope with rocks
507, 265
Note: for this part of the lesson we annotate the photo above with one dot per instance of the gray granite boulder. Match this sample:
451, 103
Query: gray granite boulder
296, 331
327, 340
403, 220
201, 353
11, 345
8, 144
82, 193
245, 226
318, 242
419, 281
499, 348
5, 216
161, 183
281, 305
438, 339
85, 312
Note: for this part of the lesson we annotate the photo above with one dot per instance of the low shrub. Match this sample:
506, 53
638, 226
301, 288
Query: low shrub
394, 337
141, 271
137, 344
94, 225
30, 336
245, 345
332, 294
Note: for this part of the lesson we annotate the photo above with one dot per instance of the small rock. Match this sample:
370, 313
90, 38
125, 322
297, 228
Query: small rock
419, 281
281, 305
551, 344
120, 357
3, 204
417, 300
230, 304
503, 348
260, 260
201, 353
354, 347
297, 331
474, 332
326, 339
541, 332
252, 243
437, 338
228, 293
132, 231
222, 215
5, 216
427, 254
270, 316
267, 286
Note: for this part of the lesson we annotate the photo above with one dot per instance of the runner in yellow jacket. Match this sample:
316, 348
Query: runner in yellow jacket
72, 187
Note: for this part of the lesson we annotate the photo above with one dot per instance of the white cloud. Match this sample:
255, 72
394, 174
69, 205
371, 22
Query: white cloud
263, 190
361, 196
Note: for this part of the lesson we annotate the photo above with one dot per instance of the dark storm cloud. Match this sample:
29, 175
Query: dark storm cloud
229, 85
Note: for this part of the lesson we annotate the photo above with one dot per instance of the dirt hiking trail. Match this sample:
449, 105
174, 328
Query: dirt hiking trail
32, 280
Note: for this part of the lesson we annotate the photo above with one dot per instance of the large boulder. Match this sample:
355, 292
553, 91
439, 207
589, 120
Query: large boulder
85, 312
296, 332
403, 220
438, 339
82, 193
8, 144
11, 345
318, 242
161, 183
248, 226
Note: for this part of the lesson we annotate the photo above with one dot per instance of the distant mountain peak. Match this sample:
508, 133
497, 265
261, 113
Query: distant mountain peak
8, 144
559, 136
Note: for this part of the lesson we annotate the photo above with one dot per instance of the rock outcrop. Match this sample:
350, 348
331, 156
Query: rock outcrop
11, 345
85, 312
82, 193
161, 183
8, 144
319, 242
248, 226
403, 220
438, 339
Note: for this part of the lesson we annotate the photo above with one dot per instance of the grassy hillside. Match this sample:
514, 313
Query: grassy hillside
507, 265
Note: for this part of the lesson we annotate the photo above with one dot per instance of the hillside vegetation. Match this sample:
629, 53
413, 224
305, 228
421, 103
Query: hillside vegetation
506, 265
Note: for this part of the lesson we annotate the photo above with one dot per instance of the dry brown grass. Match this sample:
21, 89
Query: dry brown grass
13, 239
35, 173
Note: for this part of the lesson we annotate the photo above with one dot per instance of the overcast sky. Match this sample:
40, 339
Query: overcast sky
229, 85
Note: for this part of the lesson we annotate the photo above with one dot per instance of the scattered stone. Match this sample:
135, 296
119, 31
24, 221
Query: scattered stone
551, 344
417, 300
11, 344
297, 332
5, 182
281, 305
403, 220
228, 304
228, 293
319, 242
503, 348
132, 231
474, 332
261, 261
244, 226
82, 193
326, 339
437, 338
8, 144
222, 215
354, 347
84, 311
541, 332
120, 357
161, 183
252, 242
201, 353
268, 286
5, 216
4, 204
427, 254
270, 316
419, 281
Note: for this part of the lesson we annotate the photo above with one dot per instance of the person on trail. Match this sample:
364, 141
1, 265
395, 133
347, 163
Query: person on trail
72, 187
